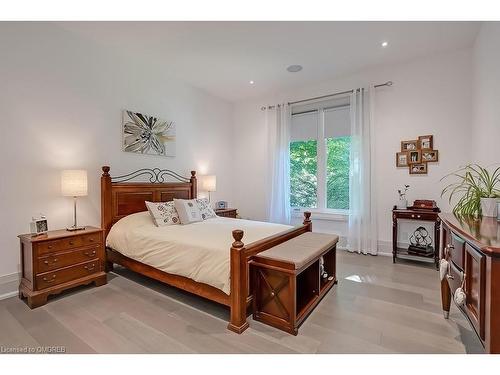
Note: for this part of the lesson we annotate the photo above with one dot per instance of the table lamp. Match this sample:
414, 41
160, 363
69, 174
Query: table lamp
74, 184
208, 183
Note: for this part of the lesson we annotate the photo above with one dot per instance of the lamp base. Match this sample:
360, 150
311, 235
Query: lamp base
73, 228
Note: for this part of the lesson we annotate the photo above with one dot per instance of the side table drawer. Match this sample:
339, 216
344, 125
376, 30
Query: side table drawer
68, 243
59, 260
48, 279
230, 213
416, 216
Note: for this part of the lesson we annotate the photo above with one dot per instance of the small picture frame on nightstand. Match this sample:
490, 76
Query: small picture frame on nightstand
39, 225
221, 205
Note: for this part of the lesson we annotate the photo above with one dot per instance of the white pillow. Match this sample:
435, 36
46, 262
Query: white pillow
188, 210
207, 212
163, 213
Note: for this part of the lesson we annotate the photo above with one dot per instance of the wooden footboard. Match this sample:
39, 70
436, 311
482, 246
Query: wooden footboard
240, 296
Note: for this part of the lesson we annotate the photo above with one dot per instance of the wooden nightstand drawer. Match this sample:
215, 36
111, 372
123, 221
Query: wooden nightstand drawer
68, 258
63, 275
72, 242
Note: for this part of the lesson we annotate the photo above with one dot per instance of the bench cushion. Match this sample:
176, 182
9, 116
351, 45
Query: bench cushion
300, 250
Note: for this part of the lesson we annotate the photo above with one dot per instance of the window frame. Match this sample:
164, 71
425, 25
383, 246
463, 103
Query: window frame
321, 211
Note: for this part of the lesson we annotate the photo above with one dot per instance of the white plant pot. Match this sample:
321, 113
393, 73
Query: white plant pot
489, 207
402, 204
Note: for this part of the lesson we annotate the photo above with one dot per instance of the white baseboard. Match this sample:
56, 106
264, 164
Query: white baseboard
384, 247
9, 285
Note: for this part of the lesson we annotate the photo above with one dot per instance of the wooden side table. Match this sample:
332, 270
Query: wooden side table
59, 260
417, 215
227, 212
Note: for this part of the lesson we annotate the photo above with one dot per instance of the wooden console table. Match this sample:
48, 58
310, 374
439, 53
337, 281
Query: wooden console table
418, 215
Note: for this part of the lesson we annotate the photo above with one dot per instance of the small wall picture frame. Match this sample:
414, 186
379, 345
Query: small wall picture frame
414, 157
402, 159
418, 168
409, 145
426, 142
430, 156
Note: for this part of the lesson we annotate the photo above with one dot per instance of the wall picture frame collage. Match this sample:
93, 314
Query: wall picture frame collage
415, 154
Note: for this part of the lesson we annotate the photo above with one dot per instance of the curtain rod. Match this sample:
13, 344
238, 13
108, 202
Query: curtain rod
388, 83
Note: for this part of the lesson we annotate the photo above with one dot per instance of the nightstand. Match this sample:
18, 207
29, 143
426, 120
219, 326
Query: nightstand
59, 260
226, 212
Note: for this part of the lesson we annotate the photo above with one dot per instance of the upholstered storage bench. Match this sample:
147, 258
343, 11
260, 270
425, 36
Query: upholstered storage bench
287, 282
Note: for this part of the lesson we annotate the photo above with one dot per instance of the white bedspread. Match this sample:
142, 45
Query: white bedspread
199, 251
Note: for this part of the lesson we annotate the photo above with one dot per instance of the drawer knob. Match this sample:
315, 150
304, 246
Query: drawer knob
91, 268
90, 254
71, 243
46, 262
418, 216
49, 280
447, 250
49, 247
412, 215
91, 239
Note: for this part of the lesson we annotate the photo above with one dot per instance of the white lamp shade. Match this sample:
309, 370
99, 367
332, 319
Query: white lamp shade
74, 183
208, 183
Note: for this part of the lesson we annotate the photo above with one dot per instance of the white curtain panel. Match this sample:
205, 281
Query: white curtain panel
362, 237
278, 123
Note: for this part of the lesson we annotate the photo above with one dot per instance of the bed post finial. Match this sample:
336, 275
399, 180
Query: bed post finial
105, 170
238, 295
238, 236
307, 220
192, 181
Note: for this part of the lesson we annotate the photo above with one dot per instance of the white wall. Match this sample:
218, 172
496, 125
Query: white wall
61, 99
486, 136
430, 96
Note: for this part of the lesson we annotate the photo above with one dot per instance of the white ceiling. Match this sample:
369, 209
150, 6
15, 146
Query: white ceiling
222, 57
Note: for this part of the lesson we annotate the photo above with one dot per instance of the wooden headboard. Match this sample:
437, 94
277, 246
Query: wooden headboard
121, 196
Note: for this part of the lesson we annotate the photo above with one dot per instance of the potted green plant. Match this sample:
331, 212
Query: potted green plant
477, 190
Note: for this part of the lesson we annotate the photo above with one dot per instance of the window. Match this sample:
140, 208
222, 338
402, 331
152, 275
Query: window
319, 156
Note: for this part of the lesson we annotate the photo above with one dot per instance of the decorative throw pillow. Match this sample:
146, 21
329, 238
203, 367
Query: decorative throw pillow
188, 210
163, 213
207, 212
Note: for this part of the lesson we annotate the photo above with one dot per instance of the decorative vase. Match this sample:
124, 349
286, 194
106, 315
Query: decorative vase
489, 207
402, 204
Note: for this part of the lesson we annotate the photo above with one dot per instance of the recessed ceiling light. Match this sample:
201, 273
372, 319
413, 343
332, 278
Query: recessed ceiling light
251, 82
294, 68
385, 44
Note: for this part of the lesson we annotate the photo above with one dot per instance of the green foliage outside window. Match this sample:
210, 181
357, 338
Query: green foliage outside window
303, 173
303, 168
337, 172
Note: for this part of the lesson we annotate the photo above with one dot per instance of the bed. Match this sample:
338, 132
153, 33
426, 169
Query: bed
208, 258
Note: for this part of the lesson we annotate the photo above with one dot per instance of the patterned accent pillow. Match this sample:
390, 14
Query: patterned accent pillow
207, 212
188, 210
163, 213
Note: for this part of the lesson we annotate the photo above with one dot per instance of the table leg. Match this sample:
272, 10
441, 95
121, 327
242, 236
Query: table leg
394, 237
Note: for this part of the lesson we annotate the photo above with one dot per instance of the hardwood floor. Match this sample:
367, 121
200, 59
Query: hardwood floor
377, 307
